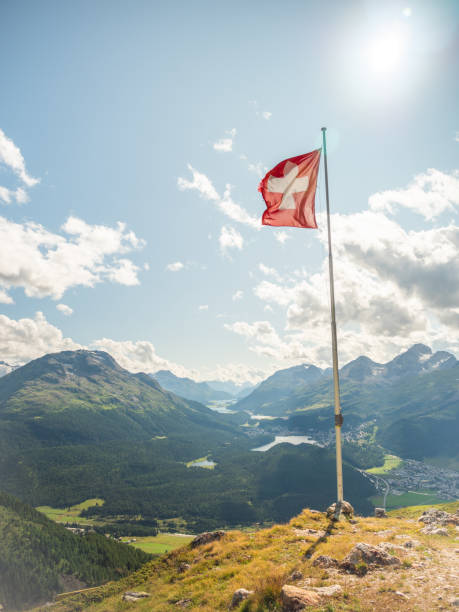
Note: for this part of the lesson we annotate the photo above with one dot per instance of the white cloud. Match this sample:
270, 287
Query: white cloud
393, 288
281, 236
66, 310
11, 156
257, 168
225, 145
230, 238
201, 183
47, 264
238, 295
176, 266
267, 271
266, 115
203, 307
26, 339
7, 196
456, 138
429, 195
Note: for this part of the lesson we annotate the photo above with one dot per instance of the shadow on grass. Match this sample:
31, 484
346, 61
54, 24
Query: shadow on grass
328, 532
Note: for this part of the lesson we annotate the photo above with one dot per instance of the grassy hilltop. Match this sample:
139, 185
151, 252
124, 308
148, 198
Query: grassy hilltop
205, 578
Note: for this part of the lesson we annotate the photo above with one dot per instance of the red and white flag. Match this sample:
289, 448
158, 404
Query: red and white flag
289, 190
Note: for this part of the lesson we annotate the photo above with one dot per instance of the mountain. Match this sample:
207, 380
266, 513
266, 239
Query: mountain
188, 388
39, 558
85, 396
75, 426
232, 388
278, 387
306, 554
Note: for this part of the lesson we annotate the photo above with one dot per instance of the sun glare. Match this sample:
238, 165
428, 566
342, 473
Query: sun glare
385, 52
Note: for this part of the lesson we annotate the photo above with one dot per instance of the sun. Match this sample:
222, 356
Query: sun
385, 52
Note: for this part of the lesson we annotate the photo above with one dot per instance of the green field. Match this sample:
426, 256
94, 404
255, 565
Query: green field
407, 499
162, 543
71, 514
195, 463
390, 462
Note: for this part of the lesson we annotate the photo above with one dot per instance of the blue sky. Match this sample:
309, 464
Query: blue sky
144, 112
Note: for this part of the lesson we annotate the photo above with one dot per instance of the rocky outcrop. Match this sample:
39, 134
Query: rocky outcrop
380, 513
364, 557
206, 537
239, 596
294, 598
135, 595
433, 516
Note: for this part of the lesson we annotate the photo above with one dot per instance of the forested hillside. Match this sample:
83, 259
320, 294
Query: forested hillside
75, 425
39, 558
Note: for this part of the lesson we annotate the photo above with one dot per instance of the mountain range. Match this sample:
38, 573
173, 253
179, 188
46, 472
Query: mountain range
188, 388
271, 396
203, 392
413, 400
75, 425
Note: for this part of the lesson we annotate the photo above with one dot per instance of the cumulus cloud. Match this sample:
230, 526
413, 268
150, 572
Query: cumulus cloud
25, 339
203, 185
176, 266
225, 145
11, 157
230, 238
66, 310
429, 195
238, 295
203, 307
47, 264
29, 338
393, 287
266, 115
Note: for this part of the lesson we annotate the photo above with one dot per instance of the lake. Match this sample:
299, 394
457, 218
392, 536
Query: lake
221, 406
295, 440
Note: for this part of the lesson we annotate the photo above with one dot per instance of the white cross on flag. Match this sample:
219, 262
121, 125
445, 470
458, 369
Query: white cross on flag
289, 191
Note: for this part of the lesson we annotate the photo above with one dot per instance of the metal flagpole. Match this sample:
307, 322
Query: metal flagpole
338, 415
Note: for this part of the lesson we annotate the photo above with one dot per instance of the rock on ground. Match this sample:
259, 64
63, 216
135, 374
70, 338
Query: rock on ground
432, 529
206, 537
346, 509
380, 513
239, 596
325, 561
294, 598
372, 556
438, 517
329, 591
135, 595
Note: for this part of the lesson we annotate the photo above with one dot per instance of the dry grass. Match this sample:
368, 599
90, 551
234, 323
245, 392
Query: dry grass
263, 560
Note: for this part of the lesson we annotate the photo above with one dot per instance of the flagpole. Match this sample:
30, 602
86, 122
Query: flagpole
338, 415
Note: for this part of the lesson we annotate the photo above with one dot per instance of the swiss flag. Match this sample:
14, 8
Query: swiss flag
289, 190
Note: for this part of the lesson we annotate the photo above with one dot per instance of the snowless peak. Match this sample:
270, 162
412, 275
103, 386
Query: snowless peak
420, 349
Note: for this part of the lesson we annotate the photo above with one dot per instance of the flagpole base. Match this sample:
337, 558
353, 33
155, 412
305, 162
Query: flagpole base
340, 509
